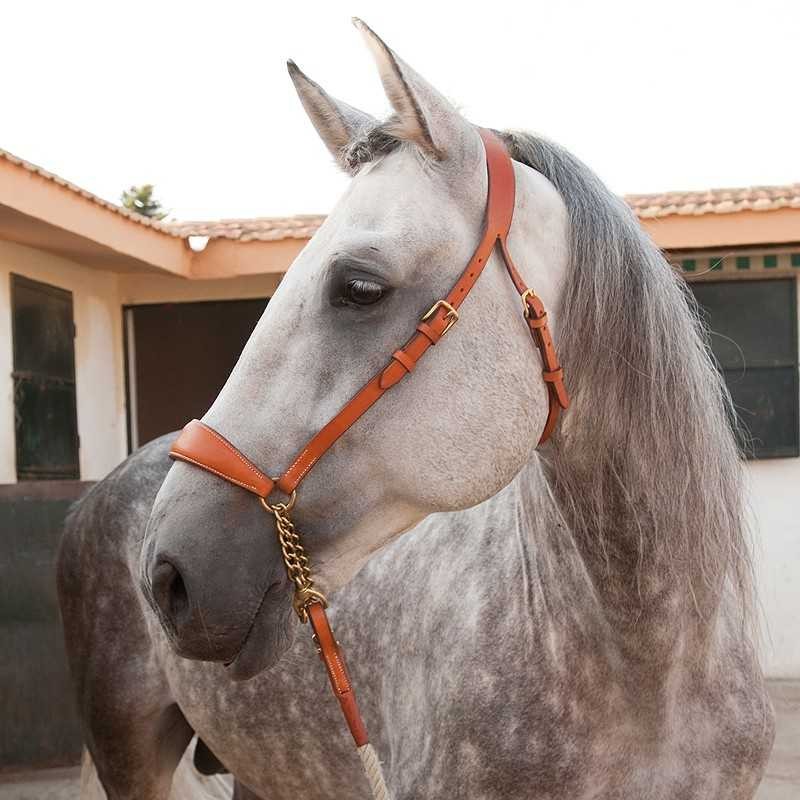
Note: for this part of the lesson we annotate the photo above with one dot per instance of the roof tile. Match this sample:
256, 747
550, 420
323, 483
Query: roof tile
715, 201
266, 229
49, 176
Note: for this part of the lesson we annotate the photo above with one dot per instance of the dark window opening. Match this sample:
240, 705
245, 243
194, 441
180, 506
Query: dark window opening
753, 328
45, 410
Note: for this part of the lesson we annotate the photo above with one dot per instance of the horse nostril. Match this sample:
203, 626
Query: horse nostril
169, 591
178, 598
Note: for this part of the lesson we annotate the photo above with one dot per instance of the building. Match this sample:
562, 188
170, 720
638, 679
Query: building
740, 251
116, 329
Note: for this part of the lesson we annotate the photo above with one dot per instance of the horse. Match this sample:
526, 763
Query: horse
573, 620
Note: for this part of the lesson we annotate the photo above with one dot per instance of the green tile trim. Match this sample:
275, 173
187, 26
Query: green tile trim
770, 262
796, 259
715, 264
742, 262
688, 265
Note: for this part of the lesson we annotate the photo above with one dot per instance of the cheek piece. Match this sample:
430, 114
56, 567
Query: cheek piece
202, 446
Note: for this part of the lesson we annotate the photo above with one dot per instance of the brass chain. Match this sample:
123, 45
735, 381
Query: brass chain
295, 559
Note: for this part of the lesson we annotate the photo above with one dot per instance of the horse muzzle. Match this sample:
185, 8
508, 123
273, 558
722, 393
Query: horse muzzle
213, 574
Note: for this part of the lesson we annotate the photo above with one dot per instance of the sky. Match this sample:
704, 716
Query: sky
194, 96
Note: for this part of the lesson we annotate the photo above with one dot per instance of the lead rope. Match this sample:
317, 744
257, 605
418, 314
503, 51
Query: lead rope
309, 605
374, 773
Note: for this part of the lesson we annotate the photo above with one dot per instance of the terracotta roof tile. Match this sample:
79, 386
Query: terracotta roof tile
715, 201
265, 229
261, 229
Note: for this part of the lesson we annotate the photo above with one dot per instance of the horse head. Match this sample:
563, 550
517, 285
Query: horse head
448, 437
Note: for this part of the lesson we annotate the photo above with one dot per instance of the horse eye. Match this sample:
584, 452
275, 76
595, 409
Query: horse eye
363, 293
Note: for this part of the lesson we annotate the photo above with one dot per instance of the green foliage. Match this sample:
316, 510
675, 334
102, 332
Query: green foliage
140, 200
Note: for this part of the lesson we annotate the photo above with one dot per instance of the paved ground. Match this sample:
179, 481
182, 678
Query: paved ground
783, 772
781, 783
48, 784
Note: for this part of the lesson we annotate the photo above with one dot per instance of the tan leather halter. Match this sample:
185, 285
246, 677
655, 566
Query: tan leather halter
201, 445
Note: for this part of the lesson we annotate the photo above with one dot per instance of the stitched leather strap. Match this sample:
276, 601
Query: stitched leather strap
331, 655
203, 446
499, 213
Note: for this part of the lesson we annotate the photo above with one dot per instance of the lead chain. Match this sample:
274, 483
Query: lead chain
297, 564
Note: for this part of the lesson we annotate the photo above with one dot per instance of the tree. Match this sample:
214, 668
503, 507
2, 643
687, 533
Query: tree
140, 200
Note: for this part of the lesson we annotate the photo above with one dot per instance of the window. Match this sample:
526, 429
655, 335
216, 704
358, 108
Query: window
754, 338
45, 413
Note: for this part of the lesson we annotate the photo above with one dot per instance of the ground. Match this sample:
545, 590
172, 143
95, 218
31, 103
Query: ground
781, 783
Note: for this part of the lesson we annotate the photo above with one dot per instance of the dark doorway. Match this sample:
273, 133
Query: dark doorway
178, 356
45, 410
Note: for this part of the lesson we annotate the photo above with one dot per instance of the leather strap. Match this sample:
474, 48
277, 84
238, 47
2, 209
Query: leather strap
499, 212
203, 446
331, 654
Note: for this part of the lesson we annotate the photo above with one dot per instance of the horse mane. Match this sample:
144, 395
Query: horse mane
648, 443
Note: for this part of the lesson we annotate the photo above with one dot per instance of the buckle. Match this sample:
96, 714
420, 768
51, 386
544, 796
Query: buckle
451, 316
526, 309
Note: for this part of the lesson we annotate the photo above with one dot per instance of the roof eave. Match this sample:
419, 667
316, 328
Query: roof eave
37, 211
737, 229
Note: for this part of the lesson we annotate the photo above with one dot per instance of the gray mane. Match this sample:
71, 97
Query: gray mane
659, 456
647, 443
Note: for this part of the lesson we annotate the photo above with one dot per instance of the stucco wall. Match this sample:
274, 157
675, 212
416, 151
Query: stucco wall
775, 510
98, 357
138, 289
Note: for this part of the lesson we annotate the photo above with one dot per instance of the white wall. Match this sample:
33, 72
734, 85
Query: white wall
98, 357
775, 508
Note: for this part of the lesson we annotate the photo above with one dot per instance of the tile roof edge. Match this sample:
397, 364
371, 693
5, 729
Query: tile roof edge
139, 219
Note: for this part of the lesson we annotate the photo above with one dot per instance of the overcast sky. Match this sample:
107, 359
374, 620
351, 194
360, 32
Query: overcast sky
194, 96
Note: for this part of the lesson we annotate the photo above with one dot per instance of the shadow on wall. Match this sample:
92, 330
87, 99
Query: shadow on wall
40, 726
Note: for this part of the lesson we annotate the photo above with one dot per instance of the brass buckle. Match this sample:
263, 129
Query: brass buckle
526, 309
451, 316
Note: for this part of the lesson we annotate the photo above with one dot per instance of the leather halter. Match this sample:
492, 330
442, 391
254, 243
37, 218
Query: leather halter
201, 445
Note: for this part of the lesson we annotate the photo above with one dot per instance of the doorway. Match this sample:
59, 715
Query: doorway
178, 357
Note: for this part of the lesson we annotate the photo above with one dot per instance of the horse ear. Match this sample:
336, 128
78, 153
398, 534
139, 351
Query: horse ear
424, 116
337, 123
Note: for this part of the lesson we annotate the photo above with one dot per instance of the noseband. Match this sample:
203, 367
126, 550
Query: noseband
201, 445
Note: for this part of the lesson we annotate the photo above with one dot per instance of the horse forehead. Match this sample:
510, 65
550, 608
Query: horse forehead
400, 192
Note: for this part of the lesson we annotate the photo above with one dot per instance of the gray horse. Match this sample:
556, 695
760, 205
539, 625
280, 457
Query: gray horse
567, 622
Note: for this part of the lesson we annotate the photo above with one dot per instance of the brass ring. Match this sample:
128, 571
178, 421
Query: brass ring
280, 507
